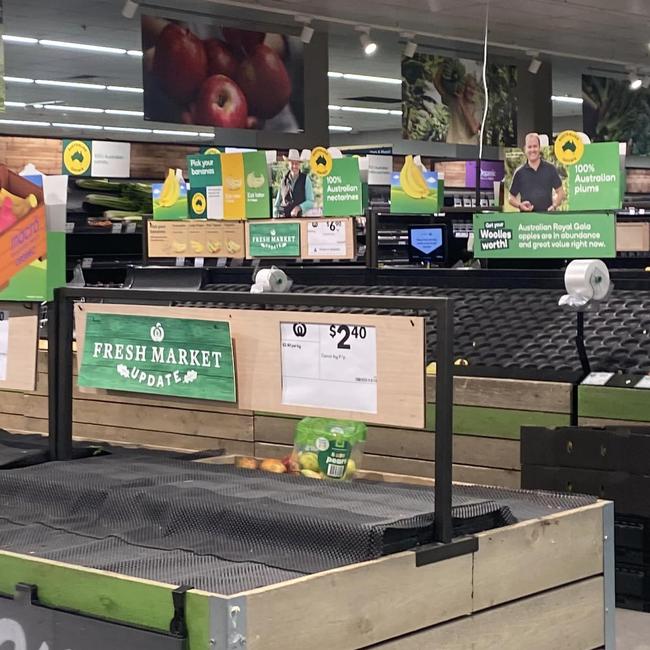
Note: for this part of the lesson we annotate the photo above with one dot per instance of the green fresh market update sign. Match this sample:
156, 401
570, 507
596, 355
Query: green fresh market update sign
180, 357
274, 239
544, 235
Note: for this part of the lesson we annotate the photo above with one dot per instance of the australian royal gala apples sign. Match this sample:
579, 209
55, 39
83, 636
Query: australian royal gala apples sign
210, 75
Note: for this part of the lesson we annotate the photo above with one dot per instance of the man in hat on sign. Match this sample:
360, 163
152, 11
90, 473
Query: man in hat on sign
296, 195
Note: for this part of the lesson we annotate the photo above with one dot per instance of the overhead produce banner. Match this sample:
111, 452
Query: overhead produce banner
231, 186
567, 176
180, 357
611, 111
96, 158
206, 74
415, 191
544, 235
320, 187
443, 100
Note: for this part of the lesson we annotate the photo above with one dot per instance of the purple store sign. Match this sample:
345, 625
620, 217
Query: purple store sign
491, 171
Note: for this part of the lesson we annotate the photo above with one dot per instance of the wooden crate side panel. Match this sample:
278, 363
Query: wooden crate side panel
413, 467
513, 394
605, 422
357, 606
570, 618
406, 443
531, 557
614, 403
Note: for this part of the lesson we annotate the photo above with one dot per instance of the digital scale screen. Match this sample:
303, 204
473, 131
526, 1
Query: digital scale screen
427, 244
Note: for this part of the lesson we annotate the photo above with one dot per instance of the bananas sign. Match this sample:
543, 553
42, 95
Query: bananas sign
170, 198
414, 190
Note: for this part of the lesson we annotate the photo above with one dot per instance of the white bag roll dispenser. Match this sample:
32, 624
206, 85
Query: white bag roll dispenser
587, 283
273, 280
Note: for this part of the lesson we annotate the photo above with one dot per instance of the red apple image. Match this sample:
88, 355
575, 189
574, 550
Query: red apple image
221, 59
265, 82
242, 38
252, 122
152, 26
221, 103
180, 62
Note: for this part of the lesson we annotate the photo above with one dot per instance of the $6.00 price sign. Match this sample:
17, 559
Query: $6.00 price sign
329, 366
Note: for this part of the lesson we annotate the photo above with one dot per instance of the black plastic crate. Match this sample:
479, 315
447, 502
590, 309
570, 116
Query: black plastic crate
632, 581
636, 604
632, 532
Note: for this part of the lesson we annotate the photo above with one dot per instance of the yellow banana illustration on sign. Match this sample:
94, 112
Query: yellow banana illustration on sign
197, 246
412, 180
179, 247
214, 246
170, 191
20, 206
232, 246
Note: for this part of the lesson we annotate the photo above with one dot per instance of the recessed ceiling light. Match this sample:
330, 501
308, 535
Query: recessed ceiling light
70, 84
65, 125
82, 46
24, 122
74, 109
119, 111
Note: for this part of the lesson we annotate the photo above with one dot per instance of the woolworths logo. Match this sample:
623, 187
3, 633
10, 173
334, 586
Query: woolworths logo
174, 356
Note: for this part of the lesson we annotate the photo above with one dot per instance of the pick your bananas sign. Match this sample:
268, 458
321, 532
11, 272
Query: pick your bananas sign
232, 186
414, 190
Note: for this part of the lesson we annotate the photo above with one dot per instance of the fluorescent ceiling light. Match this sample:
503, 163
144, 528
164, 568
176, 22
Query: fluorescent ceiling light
127, 129
206, 135
333, 127
562, 99
363, 109
395, 112
134, 52
351, 76
125, 89
75, 109
70, 84
166, 132
334, 107
24, 123
82, 46
25, 40
19, 80
64, 125
119, 111
16, 104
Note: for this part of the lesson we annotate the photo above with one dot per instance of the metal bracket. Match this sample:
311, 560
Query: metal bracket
228, 625
430, 553
178, 626
609, 577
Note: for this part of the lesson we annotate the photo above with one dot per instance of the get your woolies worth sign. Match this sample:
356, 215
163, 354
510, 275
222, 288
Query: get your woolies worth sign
181, 357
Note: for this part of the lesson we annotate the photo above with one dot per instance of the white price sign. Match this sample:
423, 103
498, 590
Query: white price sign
329, 366
597, 378
327, 238
4, 343
644, 382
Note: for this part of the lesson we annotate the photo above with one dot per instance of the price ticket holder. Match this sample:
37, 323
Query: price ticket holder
61, 314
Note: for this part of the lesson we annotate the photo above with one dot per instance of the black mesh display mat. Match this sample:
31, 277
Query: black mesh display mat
520, 332
226, 530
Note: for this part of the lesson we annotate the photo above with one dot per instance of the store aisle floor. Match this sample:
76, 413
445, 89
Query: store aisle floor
632, 630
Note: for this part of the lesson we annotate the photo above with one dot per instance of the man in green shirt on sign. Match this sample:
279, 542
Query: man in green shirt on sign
296, 195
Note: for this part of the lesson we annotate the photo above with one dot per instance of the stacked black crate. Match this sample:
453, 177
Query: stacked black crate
610, 463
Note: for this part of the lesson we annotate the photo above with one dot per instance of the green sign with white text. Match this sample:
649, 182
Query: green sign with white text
204, 171
594, 183
180, 357
275, 239
256, 179
342, 193
544, 235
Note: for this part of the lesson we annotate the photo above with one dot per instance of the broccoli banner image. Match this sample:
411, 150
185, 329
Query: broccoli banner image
443, 100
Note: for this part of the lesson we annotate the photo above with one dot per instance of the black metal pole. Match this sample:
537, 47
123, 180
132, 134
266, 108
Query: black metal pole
371, 239
61, 446
52, 374
444, 421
